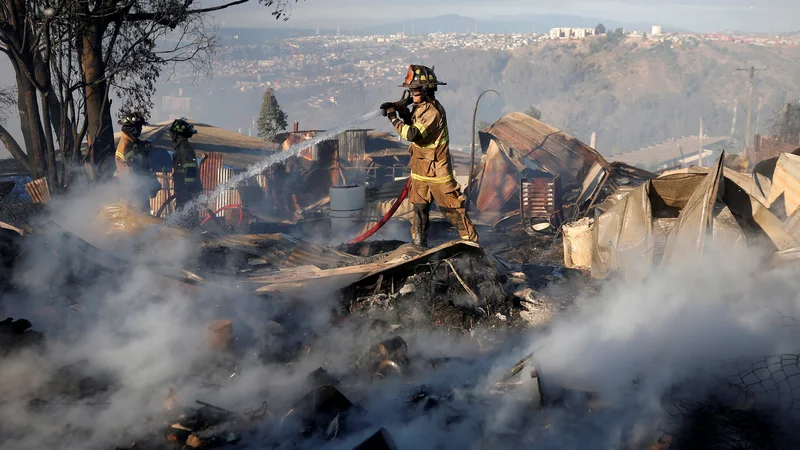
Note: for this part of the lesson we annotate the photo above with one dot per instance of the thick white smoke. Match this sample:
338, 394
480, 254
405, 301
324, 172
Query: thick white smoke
630, 344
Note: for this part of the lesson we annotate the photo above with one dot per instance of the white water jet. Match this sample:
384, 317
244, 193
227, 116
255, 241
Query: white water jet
275, 158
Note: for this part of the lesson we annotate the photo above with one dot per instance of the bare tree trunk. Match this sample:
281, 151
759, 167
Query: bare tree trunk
100, 134
14, 148
52, 170
30, 122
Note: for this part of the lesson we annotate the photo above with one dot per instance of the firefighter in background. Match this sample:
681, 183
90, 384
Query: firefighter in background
185, 173
133, 168
432, 178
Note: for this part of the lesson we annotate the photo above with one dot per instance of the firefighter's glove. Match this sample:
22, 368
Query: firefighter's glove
147, 146
404, 103
388, 108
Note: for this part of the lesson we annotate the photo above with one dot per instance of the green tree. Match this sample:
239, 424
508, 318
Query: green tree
70, 56
600, 29
271, 120
534, 112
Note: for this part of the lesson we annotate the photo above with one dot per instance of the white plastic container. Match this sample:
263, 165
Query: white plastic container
347, 202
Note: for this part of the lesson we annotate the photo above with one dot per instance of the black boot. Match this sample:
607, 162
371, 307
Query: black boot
420, 224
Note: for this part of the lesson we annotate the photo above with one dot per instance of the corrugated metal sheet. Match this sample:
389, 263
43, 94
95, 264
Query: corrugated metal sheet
165, 178
209, 169
498, 183
352, 145
676, 150
552, 150
284, 251
302, 281
226, 197
38, 190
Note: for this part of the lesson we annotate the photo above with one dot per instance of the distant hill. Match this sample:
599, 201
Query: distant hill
632, 93
250, 36
539, 23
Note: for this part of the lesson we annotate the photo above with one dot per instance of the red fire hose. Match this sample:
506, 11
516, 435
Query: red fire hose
164, 205
209, 214
231, 206
361, 238
386, 216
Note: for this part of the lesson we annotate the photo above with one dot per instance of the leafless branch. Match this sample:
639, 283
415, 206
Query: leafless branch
7, 101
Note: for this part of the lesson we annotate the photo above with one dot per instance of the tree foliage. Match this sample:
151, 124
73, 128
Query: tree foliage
600, 29
534, 112
786, 124
271, 119
69, 55
7, 102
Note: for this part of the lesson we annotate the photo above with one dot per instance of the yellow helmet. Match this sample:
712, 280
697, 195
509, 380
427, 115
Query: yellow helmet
421, 77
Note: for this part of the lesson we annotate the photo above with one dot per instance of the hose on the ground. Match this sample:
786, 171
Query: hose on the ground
386, 216
209, 213
363, 237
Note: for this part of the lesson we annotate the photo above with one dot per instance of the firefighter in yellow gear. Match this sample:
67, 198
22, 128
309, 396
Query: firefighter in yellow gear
432, 178
185, 173
132, 159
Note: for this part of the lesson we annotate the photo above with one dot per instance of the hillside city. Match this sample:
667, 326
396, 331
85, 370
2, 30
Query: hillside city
321, 60
316, 74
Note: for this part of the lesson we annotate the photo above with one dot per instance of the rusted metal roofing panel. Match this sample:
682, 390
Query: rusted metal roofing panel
552, 150
209, 169
498, 183
226, 197
38, 190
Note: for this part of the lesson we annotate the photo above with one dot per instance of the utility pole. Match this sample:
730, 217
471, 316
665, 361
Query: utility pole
733, 123
700, 145
747, 136
758, 114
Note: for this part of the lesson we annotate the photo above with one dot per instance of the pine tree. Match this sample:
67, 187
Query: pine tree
271, 120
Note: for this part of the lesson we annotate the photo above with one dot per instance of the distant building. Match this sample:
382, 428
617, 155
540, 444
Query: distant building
175, 107
571, 33
656, 31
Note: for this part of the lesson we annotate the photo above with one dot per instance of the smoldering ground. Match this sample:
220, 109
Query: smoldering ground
133, 336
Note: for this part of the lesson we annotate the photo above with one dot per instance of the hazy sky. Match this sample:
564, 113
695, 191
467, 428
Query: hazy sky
700, 15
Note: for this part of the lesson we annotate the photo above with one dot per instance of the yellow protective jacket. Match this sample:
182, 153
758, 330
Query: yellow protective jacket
426, 129
131, 156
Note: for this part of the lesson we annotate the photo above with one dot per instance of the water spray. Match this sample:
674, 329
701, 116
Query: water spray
275, 158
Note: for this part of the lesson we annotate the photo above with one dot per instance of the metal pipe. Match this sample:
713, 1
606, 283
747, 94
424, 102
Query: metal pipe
472, 155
